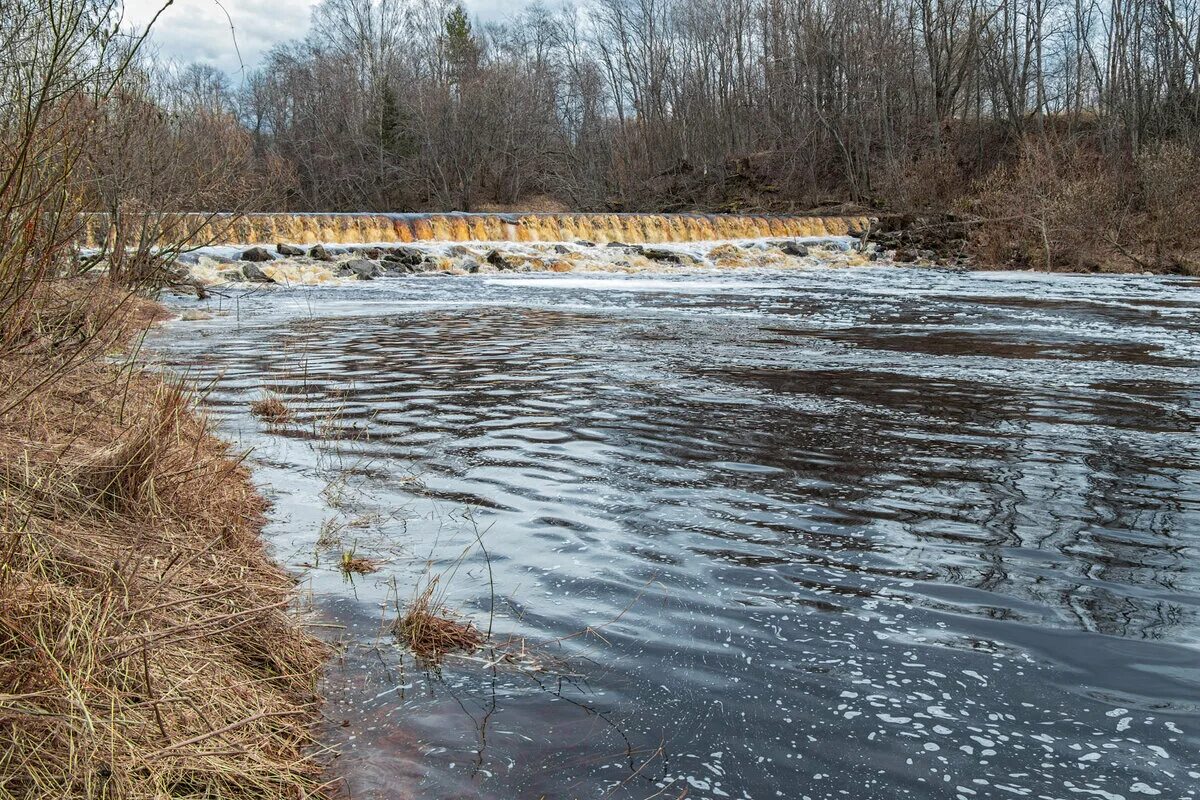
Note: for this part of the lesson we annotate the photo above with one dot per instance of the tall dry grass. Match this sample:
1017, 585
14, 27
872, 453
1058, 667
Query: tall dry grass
146, 649
145, 643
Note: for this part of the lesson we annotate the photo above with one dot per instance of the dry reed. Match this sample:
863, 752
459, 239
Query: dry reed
146, 649
358, 565
431, 631
271, 410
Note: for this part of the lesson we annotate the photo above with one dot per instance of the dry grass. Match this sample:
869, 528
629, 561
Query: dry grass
146, 649
431, 631
271, 410
357, 565
352, 564
1065, 206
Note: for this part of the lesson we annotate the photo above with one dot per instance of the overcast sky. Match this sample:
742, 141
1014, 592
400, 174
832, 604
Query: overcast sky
198, 30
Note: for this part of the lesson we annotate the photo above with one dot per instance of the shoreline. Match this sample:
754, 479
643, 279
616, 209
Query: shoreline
150, 647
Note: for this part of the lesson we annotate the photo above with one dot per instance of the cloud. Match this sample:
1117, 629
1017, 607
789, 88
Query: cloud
198, 30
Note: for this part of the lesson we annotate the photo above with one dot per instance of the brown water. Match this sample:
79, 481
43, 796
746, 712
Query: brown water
870, 533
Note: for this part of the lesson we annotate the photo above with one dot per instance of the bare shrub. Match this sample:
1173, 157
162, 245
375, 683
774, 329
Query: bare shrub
933, 180
1052, 208
1168, 177
146, 649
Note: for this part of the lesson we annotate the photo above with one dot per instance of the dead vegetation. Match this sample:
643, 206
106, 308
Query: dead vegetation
146, 649
354, 564
271, 410
431, 630
1066, 206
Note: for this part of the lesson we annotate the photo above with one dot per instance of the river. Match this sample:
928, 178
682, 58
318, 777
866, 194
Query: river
822, 533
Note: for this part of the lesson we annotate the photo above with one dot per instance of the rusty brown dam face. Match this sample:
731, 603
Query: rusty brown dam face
310, 228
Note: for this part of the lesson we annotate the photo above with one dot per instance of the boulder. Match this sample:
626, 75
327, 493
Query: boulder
562, 249
319, 252
471, 266
231, 275
372, 253
361, 268
791, 248
253, 272
289, 250
405, 255
396, 268
500, 261
659, 254
257, 254
585, 243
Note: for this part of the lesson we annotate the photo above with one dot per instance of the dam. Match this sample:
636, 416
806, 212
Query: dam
370, 228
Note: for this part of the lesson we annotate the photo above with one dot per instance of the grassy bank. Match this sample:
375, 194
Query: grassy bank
146, 647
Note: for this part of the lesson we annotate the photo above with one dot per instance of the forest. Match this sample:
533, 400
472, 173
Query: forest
1062, 133
1053, 134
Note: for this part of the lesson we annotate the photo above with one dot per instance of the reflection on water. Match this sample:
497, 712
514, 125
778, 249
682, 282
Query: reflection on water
878, 533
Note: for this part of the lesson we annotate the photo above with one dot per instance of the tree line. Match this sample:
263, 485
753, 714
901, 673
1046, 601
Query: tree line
1062, 132
646, 104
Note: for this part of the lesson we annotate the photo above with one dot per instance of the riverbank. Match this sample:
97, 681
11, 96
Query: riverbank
146, 643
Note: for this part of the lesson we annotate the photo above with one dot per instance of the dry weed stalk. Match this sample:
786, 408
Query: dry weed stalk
358, 565
354, 564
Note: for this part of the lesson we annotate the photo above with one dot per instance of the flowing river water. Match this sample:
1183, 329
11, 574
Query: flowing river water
824, 533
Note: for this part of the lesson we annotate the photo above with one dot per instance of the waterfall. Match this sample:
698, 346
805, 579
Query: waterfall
206, 229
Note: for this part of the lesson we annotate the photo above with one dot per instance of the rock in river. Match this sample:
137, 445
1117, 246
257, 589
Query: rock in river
257, 254
362, 269
500, 261
253, 272
288, 250
791, 248
409, 256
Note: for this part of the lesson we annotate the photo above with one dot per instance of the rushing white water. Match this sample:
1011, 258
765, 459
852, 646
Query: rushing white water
212, 266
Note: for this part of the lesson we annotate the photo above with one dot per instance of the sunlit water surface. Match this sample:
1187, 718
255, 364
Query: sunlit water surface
864, 533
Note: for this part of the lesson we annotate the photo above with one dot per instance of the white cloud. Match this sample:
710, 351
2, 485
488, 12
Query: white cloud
198, 30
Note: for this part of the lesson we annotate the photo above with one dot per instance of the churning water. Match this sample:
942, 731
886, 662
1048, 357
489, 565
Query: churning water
870, 533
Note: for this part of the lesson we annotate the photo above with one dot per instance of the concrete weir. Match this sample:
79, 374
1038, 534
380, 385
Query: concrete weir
365, 228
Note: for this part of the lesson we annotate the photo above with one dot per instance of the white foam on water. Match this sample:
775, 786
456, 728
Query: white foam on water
629, 284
